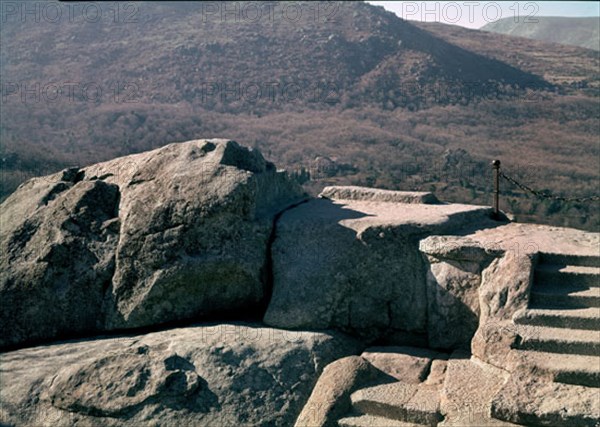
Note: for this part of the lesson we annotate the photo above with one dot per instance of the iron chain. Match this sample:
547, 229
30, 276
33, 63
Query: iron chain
545, 195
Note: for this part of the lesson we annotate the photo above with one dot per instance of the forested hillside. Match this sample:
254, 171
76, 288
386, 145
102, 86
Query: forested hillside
336, 93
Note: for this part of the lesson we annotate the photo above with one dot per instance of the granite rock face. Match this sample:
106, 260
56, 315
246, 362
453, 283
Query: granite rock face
505, 289
355, 265
170, 234
225, 374
377, 195
203, 228
453, 285
532, 398
57, 255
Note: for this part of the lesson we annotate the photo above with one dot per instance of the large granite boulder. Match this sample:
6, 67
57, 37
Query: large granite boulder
220, 375
354, 264
57, 248
175, 233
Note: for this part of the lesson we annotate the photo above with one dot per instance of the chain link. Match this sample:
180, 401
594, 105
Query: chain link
545, 195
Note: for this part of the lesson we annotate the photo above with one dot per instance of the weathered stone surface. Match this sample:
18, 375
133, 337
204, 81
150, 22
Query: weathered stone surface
458, 248
355, 265
200, 246
119, 383
377, 195
468, 390
504, 291
372, 421
225, 375
330, 399
415, 403
57, 247
437, 372
174, 233
407, 364
530, 397
452, 304
532, 238
453, 279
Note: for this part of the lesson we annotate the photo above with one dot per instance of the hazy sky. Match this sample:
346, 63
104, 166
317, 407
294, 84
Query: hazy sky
475, 14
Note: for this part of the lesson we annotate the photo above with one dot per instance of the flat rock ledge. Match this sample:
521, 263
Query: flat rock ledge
377, 195
355, 265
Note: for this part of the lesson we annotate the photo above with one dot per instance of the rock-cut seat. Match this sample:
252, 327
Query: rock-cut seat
170, 234
350, 260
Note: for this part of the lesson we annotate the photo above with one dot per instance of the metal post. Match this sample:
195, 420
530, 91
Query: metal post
496, 167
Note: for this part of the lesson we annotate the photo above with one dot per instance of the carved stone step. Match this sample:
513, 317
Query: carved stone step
556, 274
564, 296
415, 403
559, 340
467, 393
372, 421
564, 259
540, 315
564, 368
531, 400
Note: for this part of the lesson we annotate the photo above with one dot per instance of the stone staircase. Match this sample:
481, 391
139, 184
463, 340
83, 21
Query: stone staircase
560, 330
455, 392
559, 339
412, 400
558, 354
553, 377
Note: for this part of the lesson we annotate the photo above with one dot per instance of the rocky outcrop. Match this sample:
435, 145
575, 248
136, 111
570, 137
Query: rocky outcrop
505, 290
176, 233
225, 375
377, 195
202, 228
355, 265
453, 286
